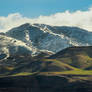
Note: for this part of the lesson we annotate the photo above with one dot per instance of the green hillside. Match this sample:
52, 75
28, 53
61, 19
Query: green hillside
79, 57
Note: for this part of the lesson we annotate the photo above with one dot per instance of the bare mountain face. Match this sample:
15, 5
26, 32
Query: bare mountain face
51, 38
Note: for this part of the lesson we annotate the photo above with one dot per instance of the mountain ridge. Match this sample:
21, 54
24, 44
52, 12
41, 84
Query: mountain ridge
51, 38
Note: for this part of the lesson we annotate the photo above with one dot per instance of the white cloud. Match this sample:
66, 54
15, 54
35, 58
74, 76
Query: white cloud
12, 20
82, 19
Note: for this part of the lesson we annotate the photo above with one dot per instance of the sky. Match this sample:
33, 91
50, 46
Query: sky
35, 8
52, 12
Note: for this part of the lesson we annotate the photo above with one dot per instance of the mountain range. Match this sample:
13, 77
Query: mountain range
37, 37
44, 58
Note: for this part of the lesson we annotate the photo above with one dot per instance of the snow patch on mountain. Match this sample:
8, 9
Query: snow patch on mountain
10, 46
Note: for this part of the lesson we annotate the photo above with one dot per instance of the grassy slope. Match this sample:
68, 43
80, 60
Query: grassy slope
79, 57
66, 70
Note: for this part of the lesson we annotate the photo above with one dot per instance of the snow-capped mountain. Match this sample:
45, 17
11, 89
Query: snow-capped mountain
51, 38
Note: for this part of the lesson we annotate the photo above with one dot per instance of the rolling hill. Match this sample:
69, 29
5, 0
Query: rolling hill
79, 57
75, 60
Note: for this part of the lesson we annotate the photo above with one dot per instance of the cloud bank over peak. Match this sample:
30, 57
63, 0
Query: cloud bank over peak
82, 19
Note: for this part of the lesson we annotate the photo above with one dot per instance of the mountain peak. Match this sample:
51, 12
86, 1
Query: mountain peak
25, 25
